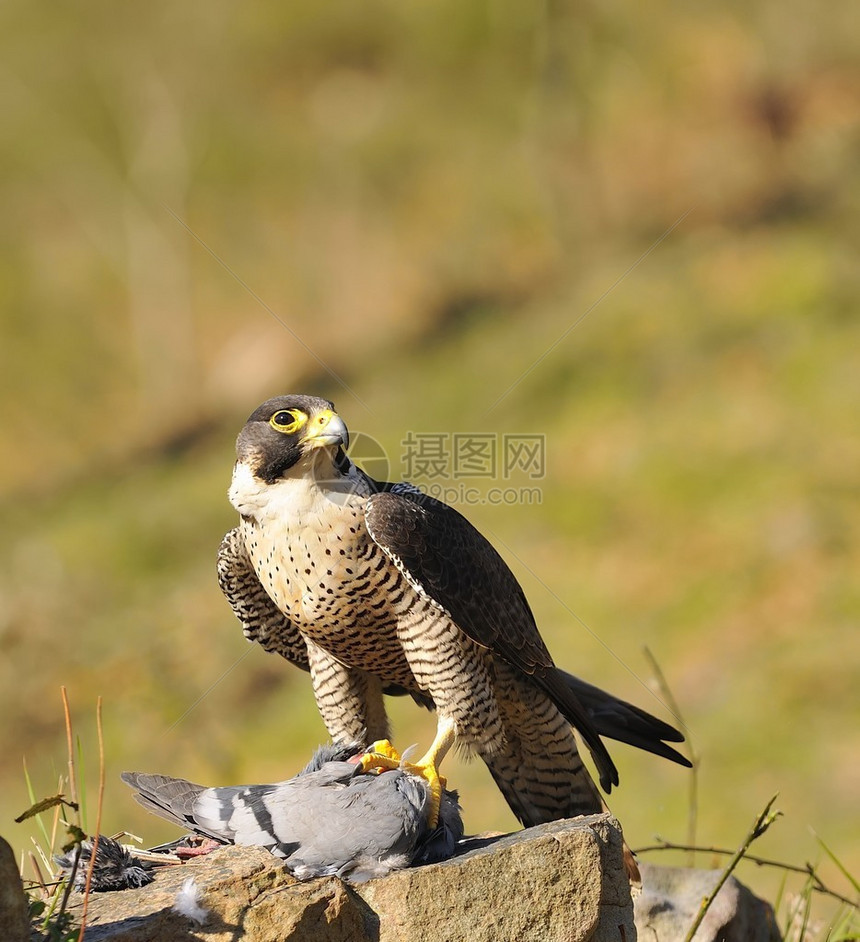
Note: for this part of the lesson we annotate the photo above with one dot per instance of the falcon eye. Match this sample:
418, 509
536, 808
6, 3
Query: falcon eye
288, 421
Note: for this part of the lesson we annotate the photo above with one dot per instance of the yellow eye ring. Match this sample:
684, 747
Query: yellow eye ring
288, 421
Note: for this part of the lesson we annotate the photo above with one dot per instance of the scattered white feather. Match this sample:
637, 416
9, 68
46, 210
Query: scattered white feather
303, 871
365, 868
187, 902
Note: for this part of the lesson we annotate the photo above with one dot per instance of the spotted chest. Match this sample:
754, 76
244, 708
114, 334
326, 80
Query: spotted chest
335, 585
308, 543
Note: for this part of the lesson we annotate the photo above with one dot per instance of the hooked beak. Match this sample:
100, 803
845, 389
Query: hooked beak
326, 428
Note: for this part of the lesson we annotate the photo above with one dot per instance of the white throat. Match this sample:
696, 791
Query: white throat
301, 492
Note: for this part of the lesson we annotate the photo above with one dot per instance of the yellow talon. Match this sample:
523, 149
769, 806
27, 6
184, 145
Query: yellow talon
435, 782
382, 755
383, 747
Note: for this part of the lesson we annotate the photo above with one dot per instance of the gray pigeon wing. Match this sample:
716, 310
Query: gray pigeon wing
238, 813
278, 816
169, 798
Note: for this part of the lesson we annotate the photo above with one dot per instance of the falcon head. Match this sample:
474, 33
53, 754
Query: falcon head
290, 431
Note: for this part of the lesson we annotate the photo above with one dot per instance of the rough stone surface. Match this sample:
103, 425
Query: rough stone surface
13, 904
247, 894
561, 881
671, 898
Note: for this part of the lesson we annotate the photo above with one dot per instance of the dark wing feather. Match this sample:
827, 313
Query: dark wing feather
618, 719
447, 559
261, 619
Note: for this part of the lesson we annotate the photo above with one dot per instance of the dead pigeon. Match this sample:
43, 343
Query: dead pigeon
330, 819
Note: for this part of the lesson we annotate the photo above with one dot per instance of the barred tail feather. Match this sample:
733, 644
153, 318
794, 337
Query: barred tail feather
538, 767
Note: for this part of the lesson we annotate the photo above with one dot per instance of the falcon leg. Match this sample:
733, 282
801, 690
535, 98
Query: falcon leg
428, 766
383, 755
349, 700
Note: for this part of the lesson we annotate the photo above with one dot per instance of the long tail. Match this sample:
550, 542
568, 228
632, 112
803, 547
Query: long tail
617, 719
593, 713
170, 798
538, 767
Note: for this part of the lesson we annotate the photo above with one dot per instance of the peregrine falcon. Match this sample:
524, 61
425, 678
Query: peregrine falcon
376, 588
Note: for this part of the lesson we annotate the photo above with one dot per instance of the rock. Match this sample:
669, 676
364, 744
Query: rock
564, 880
561, 881
671, 897
14, 917
245, 892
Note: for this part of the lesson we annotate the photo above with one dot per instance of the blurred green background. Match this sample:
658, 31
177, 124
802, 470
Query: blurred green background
208, 204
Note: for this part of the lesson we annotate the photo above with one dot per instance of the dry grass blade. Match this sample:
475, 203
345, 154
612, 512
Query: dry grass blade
760, 825
55, 824
34, 863
95, 846
693, 794
44, 857
73, 781
840, 866
807, 869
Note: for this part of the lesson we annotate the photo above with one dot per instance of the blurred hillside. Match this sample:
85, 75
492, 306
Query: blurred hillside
632, 231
